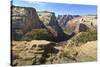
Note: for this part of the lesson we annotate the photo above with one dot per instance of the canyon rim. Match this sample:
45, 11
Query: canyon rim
52, 33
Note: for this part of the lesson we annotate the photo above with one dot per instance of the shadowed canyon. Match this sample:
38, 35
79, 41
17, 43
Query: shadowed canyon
40, 37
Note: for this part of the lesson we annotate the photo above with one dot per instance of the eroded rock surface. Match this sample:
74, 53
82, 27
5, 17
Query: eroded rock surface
24, 19
72, 23
83, 53
34, 52
51, 24
46, 52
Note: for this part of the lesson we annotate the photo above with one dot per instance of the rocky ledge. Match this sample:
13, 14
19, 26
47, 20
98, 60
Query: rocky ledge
34, 52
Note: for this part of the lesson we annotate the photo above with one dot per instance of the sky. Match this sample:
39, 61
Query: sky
59, 8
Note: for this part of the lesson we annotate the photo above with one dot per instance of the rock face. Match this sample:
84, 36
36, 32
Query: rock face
63, 19
34, 52
88, 52
51, 23
46, 52
76, 26
85, 23
83, 53
24, 19
75, 23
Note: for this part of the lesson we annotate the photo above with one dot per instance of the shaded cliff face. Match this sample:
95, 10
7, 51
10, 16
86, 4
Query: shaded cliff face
51, 23
76, 23
63, 19
24, 19
82, 23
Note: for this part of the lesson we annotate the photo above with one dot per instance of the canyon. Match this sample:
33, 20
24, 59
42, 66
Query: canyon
65, 31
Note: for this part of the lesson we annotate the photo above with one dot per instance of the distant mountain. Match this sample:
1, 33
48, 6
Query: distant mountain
63, 19
76, 23
83, 23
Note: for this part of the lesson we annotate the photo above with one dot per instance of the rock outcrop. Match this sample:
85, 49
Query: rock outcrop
85, 23
34, 52
46, 52
63, 19
75, 23
24, 19
51, 23
85, 52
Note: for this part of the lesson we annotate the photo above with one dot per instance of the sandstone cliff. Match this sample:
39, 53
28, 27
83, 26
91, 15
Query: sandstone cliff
34, 52
51, 23
76, 23
84, 23
63, 19
24, 19
46, 52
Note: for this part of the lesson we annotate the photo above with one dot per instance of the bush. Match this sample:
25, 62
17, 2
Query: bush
82, 37
37, 34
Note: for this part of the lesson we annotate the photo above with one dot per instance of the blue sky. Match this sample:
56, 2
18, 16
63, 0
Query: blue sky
59, 9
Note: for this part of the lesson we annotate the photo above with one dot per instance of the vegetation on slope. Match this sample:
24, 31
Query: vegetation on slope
82, 37
38, 34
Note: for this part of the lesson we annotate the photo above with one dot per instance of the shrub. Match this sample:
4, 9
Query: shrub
82, 37
37, 34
